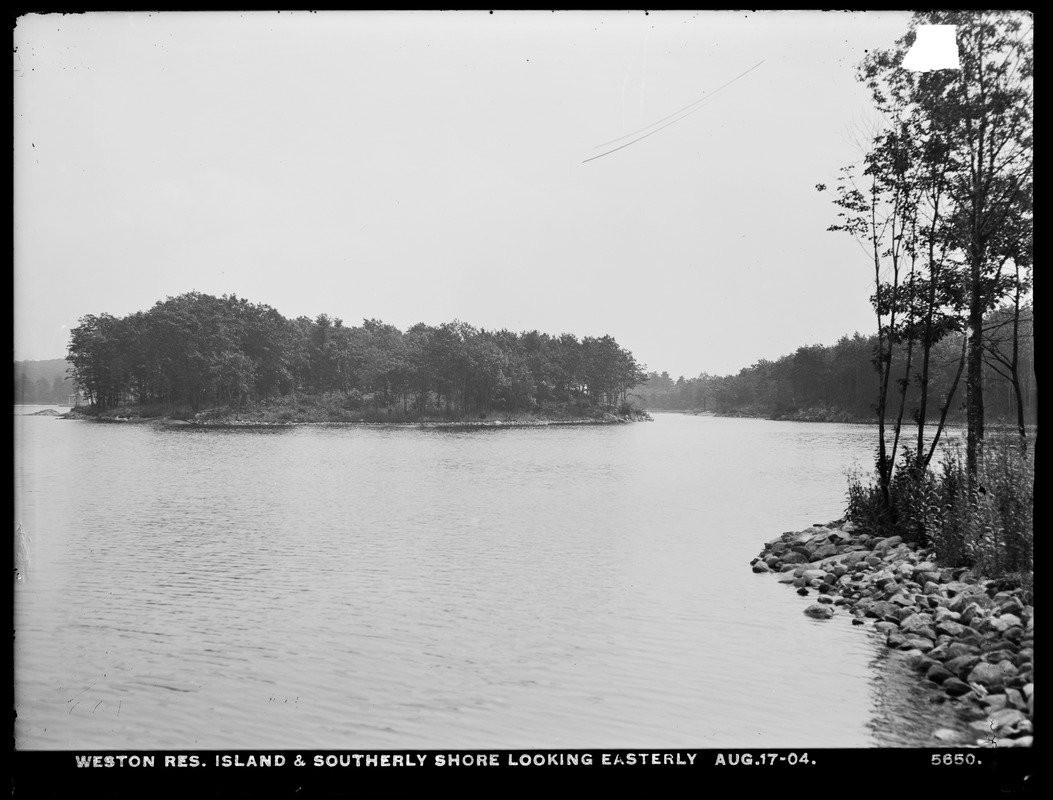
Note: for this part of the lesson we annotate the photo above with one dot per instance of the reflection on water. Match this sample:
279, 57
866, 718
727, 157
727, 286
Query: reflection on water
408, 587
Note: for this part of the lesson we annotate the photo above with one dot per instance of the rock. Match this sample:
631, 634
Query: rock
887, 544
901, 641
1015, 699
852, 559
883, 579
1009, 605
760, 566
920, 642
1023, 741
994, 702
956, 649
919, 661
887, 611
944, 614
971, 613
938, 674
817, 611
989, 676
949, 628
1011, 620
1007, 720
955, 687
947, 735
824, 551
919, 624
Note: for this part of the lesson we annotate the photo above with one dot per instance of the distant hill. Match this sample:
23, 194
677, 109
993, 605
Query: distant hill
42, 382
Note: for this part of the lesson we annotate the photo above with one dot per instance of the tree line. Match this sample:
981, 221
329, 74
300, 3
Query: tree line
837, 382
196, 350
42, 382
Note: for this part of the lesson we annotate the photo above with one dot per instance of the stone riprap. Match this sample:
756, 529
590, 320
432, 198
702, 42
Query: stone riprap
970, 640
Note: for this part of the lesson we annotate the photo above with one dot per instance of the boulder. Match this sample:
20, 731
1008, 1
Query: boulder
883, 579
937, 673
955, 649
962, 665
818, 611
1015, 699
944, 614
920, 624
1008, 720
990, 676
955, 687
824, 551
949, 628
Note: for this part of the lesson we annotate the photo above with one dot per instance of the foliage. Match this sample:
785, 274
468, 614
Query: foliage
195, 351
836, 382
990, 528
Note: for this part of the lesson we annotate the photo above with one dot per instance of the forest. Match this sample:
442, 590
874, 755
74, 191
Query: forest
197, 351
839, 383
43, 382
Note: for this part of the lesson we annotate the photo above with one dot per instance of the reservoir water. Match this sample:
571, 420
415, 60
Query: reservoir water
405, 587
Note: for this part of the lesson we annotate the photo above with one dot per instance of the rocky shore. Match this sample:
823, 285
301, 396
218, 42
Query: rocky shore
970, 641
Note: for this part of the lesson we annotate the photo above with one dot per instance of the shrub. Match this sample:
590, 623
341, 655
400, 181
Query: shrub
991, 527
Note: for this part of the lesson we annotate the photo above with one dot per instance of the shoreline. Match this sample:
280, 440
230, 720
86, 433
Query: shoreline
210, 419
970, 640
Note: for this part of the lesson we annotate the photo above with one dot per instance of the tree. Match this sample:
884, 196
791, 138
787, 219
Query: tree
983, 114
958, 152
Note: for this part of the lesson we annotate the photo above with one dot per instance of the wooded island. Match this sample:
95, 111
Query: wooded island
197, 351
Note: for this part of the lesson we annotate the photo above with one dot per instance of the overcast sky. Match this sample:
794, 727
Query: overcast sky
425, 167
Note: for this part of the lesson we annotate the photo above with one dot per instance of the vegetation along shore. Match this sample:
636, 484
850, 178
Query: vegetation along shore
937, 550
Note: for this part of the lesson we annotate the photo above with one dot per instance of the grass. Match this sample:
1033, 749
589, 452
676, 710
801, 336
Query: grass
990, 528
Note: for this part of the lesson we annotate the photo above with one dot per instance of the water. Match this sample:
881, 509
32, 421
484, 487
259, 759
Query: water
400, 587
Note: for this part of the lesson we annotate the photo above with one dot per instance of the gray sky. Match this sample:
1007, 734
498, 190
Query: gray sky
422, 167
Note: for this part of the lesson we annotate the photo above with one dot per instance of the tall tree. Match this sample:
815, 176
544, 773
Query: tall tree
983, 112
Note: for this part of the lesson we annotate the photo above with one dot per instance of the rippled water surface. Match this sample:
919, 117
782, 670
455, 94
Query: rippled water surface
388, 587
